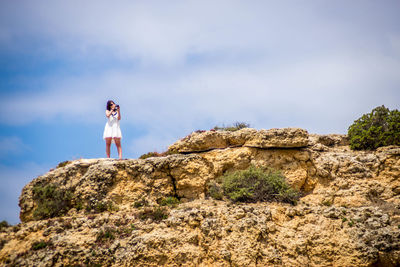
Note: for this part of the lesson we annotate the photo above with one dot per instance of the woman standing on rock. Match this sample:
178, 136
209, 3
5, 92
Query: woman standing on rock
112, 131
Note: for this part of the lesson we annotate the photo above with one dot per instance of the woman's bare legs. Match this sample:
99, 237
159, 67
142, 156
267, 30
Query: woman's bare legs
118, 144
108, 145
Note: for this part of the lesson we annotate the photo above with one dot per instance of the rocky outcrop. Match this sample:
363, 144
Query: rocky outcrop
247, 137
349, 214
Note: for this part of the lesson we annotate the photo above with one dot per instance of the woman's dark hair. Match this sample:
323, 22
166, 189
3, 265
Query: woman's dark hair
108, 107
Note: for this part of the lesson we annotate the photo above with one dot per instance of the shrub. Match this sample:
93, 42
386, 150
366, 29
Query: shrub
101, 206
4, 224
327, 202
40, 244
379, 128
156, 214
256, 184
2, 243
104, 235
51, 201
169, 201
236, 126
215, 191
149, 155
140, 203
63, 164
156, 154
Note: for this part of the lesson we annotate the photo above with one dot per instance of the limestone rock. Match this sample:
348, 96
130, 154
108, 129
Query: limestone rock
348, 215
205, 141
273, 138
279, 138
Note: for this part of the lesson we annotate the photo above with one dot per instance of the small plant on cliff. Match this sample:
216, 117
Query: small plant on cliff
157, 154
379, 128
106, 234
150, 155
101, 206
235, 127
50, 201
256, 184
63, 164
141, 203
2, 243
40, 245
169, 201
215, 190
3, 225
155, 213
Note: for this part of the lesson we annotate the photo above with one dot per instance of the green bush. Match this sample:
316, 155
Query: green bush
256, 184
236, 126
40, 244
215, 191
149, 155
4, 224
2, 243
141, 203
108, 233
156, 154
169, 201
379, 128
63, 164
156, 214
100, 206
51, 201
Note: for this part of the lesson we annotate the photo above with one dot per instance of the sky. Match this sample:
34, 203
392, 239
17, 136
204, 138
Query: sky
179, 66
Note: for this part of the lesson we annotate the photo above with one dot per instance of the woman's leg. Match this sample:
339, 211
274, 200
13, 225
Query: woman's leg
108, 145
118, 144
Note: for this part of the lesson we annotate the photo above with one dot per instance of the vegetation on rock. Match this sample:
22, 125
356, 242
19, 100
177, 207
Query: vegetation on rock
101, 206
169, 201
105, 234
40, 244
157, 154
215, 191
140, 203
256, 184
2, 243
379, 128
4, 224
51, 201
63, 164
235, 127
154, 213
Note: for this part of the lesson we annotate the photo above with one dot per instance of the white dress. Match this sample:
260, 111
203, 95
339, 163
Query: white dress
112, 128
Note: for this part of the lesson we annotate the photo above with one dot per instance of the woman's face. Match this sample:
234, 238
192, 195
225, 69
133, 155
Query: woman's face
112, 105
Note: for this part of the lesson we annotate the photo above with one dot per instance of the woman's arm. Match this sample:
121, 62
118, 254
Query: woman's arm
119, 114
108, 113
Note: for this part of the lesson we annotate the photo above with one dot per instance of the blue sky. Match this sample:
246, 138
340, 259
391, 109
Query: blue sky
179, 66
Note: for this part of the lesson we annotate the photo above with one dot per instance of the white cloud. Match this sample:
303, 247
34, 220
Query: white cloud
166, 32
186, 98
198, 63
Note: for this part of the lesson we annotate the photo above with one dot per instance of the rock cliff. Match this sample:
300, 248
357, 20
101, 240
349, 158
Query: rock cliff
116, 212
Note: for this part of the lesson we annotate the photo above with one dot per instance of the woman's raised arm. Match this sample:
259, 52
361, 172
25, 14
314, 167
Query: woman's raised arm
108, 113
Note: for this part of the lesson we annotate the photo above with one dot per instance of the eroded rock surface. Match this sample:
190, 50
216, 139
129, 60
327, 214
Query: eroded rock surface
247, 137
349, 214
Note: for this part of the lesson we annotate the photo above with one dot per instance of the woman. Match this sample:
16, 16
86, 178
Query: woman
112, 131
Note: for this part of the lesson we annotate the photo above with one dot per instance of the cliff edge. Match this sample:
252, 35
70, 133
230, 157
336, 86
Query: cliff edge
126, 212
